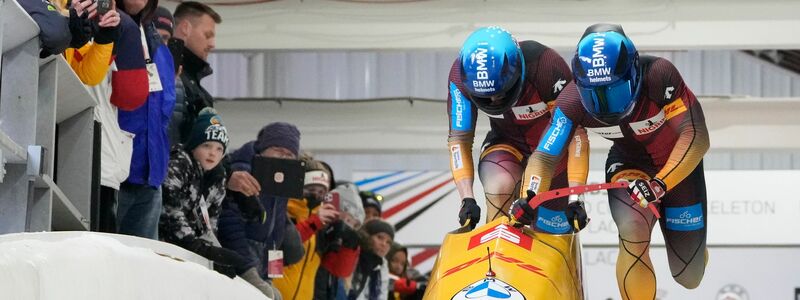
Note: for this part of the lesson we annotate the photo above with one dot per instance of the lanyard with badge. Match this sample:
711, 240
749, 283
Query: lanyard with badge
152, 71
209, 234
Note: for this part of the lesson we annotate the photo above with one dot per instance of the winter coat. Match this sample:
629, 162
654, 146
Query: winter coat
370, 281
253, 238
298, 279
54, 33
126, 86
185, 190
191, 97
90, 62
149, 122
329, 287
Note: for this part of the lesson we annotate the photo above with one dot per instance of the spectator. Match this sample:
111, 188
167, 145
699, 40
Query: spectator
72, 24
339, 244
249, 234
372, 205
195, 24
404, 283
193, 193
92, 58
370, 280
96, 41
309, 215
126, 88
139, 205
164, 23
54, 34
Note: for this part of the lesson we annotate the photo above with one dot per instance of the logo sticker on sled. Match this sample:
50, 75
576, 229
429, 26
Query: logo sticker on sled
510, 234
489, 289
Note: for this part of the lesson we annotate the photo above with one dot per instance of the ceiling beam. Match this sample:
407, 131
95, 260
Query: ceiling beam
653, 25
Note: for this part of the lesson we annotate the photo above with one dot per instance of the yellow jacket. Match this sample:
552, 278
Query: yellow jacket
90, 62
298, 279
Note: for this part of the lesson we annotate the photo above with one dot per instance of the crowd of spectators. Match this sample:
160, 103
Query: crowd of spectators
167, 172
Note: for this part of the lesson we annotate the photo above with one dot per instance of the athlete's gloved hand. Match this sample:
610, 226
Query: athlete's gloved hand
521, 211
643, 192
576, 215
469, 211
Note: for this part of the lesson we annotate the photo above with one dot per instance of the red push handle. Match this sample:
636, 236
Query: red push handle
575, 190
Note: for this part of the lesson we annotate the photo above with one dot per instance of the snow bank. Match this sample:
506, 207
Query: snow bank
88, 265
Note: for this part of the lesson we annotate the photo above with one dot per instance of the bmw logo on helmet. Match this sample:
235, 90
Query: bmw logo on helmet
606, 71
492, 65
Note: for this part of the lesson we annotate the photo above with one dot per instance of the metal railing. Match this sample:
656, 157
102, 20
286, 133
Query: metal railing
46, 133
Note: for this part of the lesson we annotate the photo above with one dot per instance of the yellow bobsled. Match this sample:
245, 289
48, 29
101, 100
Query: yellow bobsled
500, 261
524, 265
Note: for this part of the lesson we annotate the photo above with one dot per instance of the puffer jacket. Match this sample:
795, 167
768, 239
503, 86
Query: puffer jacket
186, 190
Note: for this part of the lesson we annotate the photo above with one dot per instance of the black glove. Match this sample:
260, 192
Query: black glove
469, 211
80, 27
350, 238
643, 192
576, 212
226, 270
106, 35
251, 208
225, 261
521, 211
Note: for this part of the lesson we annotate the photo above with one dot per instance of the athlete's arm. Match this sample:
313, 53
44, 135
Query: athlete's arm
461, 115
554, 78
541, 164
578, 160
682, 111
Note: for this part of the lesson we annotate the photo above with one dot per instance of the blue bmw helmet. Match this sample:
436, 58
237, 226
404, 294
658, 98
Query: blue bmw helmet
492, 66
607, 73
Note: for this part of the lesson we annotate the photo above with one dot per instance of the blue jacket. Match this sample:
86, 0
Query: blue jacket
253, 239
150, 121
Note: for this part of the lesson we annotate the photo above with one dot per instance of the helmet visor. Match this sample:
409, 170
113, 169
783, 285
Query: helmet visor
609, 103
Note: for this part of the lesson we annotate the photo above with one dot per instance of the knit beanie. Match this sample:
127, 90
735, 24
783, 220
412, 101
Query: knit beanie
207, 127
278, 134
376, 226
349, 201
370, 199
163, 19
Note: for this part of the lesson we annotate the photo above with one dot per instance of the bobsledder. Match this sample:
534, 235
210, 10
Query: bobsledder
503, 260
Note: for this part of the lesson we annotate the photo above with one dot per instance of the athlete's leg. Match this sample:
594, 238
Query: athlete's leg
684, 227
636, 278
500, 170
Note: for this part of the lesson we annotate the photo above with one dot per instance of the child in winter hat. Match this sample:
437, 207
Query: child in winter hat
207, 128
